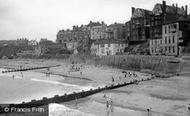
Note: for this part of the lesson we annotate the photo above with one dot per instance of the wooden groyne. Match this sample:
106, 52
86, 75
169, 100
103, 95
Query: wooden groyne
69, 97
27, 69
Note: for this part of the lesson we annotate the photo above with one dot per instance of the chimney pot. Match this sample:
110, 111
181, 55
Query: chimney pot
186, 9
164, 6
133, 10
164, 2
182, 7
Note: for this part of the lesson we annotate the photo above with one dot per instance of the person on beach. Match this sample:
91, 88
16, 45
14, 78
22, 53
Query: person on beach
104, 96
112, 79
107, 104
73, 66
129, 74
13, 77
76, 101
107, 108
20, 67
125, 75
21, 74
134, 75
48, 72
111, 105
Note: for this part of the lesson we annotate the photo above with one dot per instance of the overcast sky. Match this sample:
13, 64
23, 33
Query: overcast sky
35, 19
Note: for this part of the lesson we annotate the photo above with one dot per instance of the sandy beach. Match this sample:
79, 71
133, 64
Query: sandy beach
164, 97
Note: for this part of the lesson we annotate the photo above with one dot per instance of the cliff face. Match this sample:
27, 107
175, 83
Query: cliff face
7, 51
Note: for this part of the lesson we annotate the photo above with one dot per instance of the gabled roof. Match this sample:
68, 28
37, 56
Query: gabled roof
91, 24
117, 24
169, 9
141, 13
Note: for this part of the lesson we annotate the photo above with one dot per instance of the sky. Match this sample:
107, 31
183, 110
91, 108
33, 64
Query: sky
36, 19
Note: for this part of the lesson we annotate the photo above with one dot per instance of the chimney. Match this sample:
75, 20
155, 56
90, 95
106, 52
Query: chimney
164, 11
186, 11
133, 10
176, 8
182, 8
73, 27
164, 6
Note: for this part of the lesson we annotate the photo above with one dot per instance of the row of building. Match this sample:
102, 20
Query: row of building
95, 38
166, 28
18, 42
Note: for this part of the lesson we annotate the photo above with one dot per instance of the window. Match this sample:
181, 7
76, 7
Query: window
169, 40
173, 39
175, 26
102, 51
169, 49
165, 29
109, 45
102, 45
165, 40
174, 49
165, 48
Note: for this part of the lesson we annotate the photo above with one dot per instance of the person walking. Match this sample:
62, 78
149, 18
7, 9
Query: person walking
107, 108
188, 110
111, 107
119, 78
13, 77
129, 75
76, 102
113, 79
48, 72
21, 74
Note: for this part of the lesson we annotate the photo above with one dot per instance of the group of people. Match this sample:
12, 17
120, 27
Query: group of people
13, 76
126, 74
130, 74
75, 68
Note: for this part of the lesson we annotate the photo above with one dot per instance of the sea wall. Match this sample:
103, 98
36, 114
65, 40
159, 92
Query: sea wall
161, 64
